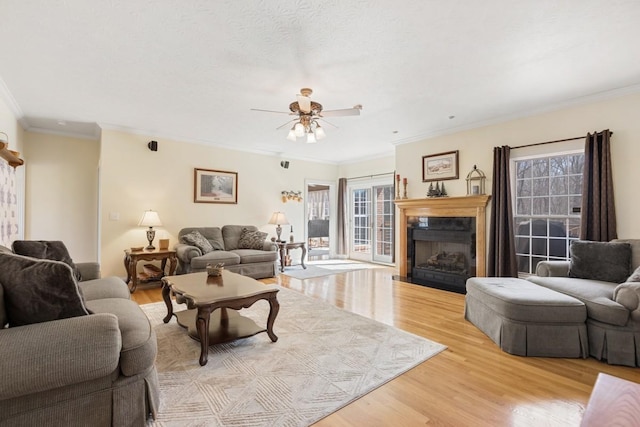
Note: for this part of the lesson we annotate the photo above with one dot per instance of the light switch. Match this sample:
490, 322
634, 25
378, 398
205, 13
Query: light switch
114, 216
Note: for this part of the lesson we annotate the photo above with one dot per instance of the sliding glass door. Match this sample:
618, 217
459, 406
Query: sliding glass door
372, 221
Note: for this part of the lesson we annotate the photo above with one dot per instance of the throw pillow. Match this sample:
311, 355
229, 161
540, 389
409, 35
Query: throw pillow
37, 290
251, 239
44, 249
635, 276
606, 261
196, 239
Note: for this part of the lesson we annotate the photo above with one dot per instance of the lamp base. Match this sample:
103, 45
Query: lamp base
151, 234
278, 232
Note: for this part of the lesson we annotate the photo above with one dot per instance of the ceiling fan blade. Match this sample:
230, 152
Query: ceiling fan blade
304, 103
355, 111
329, 123
271, 111
289, 122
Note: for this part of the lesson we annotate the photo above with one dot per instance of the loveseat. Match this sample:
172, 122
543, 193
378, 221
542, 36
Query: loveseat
93, 365
242, 249
606, 278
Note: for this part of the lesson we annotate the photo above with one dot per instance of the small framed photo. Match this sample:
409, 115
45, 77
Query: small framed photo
440, 167
213, 186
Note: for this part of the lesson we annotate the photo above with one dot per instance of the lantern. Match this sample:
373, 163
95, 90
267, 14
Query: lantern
475, 182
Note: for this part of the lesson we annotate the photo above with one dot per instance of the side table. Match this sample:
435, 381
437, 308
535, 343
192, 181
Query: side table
131, 259
284, 252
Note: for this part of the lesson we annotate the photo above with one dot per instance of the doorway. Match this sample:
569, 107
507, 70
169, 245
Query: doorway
371, 220
319, 207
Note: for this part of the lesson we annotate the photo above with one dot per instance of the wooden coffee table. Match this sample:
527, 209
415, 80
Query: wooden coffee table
208, 318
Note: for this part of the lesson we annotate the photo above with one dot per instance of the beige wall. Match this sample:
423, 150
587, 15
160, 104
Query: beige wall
134, 179
367, 167
61, 192
620, 115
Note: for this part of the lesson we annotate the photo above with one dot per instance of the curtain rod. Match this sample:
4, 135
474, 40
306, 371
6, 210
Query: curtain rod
371, 176
552, 142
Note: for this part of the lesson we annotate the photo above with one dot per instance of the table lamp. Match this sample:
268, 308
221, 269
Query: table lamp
150, 219
279, 219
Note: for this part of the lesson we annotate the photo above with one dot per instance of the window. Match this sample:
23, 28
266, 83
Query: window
548, 196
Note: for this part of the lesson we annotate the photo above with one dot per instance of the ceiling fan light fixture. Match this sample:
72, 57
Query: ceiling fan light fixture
292, 135
299, 130
320, 132
311, 138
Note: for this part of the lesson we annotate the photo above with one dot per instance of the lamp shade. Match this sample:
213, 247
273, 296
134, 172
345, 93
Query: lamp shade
150, 219
278, 218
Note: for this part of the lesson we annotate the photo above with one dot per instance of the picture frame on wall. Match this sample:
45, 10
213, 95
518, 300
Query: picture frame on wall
440, 167
215, 186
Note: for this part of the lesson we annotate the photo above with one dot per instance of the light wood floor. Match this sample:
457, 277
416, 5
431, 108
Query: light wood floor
472, 383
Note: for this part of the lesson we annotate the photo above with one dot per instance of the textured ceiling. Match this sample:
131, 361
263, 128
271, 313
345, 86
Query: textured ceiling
191, 70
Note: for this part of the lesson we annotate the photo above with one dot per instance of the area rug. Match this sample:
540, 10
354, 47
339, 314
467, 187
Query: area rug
324, 359
326, 268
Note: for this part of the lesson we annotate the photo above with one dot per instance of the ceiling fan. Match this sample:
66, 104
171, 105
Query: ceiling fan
309, 113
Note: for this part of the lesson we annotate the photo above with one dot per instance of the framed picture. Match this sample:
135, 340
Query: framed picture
213, 186
440, 167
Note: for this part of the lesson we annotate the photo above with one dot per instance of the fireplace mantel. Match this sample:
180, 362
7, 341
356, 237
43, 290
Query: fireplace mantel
465, 206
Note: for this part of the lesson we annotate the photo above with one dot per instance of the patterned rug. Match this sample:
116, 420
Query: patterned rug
324, 359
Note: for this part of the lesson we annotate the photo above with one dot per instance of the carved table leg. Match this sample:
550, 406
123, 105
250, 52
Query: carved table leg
127, 259
273, 312
166, 296
282, 254
133, 274
304, 253
202, 326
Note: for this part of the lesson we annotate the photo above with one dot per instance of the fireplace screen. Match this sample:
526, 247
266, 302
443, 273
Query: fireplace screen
442, 251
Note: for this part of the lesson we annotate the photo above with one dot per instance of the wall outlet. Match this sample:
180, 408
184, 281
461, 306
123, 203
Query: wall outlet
114, 216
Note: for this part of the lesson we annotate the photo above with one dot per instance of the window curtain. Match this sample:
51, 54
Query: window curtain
598, 221
502, 252
318, 204
342, 217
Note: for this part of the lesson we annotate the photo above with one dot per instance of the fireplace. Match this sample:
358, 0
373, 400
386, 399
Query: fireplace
442, 241
442, 251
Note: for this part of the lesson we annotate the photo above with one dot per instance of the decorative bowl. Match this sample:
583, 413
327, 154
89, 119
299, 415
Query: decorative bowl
136, 248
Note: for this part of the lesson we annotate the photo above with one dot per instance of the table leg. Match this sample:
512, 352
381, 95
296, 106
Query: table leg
282, 254
166, 296
202, 326
173, 261
304, 253
133, 274
273, 312
127, 259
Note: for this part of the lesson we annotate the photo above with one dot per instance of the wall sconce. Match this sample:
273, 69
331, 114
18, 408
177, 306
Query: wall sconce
291, 195
475, 182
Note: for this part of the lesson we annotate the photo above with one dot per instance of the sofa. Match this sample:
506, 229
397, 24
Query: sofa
606, 278
242, 249
93, 368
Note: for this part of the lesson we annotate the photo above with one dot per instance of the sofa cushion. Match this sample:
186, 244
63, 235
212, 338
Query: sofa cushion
215, 257
3, 313
604, 261
139, 344
107, 287
251, 239
231, 235
635, 251
37, 290
635, 276
596, 295
46, 249
249, 256
196, 239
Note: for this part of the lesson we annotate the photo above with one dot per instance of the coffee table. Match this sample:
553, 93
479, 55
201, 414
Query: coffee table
208, 298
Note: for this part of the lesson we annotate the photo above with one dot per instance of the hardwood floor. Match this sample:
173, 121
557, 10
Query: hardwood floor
472, 383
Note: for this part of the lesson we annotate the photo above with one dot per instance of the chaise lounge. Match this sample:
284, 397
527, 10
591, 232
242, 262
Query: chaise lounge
587, 306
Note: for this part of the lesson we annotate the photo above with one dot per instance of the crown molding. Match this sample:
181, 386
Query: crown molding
11, 102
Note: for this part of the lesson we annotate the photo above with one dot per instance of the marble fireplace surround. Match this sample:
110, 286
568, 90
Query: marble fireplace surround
465, 206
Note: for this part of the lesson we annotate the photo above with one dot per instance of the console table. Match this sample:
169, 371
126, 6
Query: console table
131, 259
284, 252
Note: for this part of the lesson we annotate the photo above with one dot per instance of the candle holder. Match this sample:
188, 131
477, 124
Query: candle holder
405, 190
397, 187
